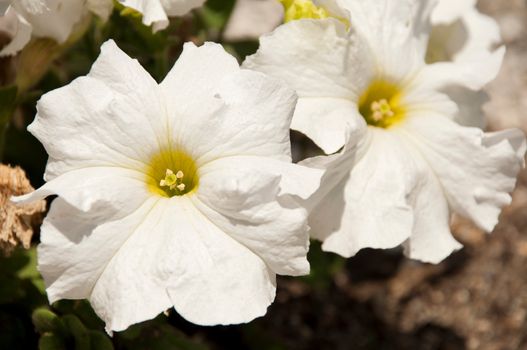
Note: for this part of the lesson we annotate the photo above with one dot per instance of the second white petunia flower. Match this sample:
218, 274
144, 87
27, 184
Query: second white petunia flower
53, 19
405, 165
180, 194
156, 12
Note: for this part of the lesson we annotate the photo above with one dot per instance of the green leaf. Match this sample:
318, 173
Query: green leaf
51, 341
79, 332
30, 271
216, 13
100, 341
324, 267
157, 335
133, 332
45, 320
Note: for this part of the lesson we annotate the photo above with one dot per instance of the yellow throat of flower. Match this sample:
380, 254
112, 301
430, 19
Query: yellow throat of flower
381, 104
172, 172
299, 9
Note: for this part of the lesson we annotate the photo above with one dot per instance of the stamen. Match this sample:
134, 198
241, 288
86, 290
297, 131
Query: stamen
382, 104
172, 173
381, 109
173, 181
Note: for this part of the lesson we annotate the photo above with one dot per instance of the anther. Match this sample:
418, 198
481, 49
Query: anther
381, 109
173, 181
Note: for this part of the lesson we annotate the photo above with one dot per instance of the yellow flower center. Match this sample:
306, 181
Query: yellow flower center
172, 173
380, 105
299, 9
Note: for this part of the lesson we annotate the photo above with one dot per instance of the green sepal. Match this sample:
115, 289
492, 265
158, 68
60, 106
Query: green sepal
51, 341
46, 321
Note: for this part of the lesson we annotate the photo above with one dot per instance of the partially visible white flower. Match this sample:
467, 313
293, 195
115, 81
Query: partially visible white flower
405, 164
17, 28
252, 18
175, 194
468, 38
156, 12
54, 19
314, 9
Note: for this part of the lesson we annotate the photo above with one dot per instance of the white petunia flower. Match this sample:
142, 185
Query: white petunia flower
179, 194
17, 29
251, 18
406, 165
156, 12
55, 19
468, 38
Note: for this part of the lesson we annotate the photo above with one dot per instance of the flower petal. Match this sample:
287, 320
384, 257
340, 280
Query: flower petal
181, 7
461, 22
152, 11
213, 278
296, 180
396, 31
254, 120
448, 11
196, 75
117, 190
317, 58
249, 112
56, 20
114, 117
431, 240
378, 193
251, 18
465, 72
80, 251
325, 120
484, 33
250, 199
363, 198
477, 171
18, 29
470, 106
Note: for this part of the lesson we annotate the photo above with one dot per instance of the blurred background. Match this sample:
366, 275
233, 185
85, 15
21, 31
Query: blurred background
476, 299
